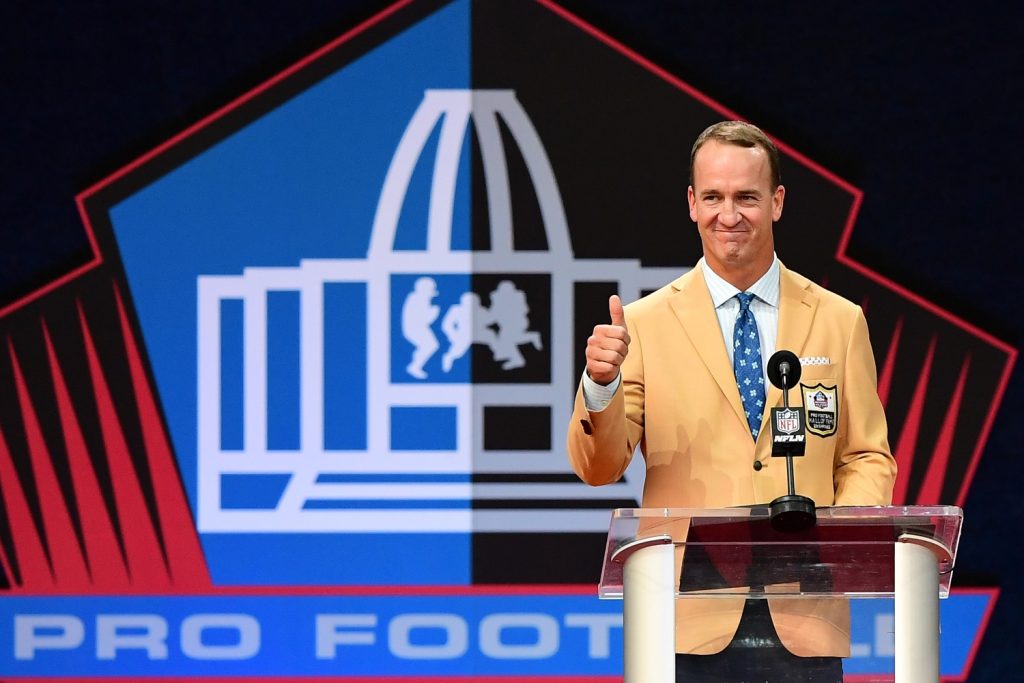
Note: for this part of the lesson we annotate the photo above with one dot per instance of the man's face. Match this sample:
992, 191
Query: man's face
734, 205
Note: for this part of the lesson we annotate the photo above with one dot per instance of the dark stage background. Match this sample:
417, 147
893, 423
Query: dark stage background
915, 104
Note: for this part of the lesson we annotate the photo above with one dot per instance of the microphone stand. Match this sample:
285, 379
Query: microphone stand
791, 512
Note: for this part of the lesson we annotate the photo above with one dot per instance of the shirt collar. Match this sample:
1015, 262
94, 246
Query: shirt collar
766, 288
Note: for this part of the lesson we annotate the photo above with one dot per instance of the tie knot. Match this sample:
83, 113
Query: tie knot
745, 299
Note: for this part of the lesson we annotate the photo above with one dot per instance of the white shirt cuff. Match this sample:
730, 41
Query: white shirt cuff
596, 397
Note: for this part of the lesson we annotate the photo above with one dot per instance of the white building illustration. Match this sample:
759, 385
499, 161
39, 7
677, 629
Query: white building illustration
429, 490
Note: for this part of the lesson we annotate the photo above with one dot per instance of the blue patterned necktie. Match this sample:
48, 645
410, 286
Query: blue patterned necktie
746, 363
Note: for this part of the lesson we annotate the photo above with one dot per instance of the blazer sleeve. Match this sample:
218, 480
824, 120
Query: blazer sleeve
864, 468
600, 444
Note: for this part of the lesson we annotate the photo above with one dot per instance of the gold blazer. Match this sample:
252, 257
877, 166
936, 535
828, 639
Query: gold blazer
679, 402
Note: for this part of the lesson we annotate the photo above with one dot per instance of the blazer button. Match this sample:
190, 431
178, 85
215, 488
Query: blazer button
757, 465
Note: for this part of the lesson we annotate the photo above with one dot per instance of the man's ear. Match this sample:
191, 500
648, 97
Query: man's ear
778, 198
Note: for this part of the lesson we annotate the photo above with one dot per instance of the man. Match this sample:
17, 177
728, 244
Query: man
666, 374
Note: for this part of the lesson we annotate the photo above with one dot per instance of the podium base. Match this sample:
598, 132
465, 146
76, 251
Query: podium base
792, 513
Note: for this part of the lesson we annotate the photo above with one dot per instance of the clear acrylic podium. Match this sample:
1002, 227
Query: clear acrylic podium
853, 552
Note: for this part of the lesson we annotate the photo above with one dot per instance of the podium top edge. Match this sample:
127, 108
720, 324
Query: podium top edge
763, 511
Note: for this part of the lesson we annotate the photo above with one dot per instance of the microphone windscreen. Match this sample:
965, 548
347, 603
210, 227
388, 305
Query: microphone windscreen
775, 369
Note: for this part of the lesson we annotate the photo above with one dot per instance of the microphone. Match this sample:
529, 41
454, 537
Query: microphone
787, 424
791, 512
784, 370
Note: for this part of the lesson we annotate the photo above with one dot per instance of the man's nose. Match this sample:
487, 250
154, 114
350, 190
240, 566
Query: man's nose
729, 216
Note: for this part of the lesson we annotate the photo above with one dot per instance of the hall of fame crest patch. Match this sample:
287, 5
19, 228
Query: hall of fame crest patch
822, 409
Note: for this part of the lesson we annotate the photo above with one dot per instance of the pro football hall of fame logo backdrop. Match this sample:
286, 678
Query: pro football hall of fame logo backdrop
303, 413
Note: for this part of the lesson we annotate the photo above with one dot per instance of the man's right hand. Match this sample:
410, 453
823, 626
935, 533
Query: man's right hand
608, 345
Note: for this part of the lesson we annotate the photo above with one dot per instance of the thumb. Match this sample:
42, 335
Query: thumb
615, 310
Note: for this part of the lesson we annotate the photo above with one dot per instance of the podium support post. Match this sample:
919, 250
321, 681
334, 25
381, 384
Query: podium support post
648, 614
917, 609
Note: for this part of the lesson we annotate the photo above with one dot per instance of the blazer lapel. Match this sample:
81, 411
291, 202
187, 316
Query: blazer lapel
696, 313
797, 305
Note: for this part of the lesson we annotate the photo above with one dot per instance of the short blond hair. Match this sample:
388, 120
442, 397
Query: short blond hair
742, 134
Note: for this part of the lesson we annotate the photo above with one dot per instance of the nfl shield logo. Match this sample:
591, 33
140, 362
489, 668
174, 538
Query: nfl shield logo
787, 421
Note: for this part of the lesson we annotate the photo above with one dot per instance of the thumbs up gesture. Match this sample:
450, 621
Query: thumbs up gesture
608, 345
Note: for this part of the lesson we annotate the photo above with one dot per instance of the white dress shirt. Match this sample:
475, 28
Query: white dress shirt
765, 308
